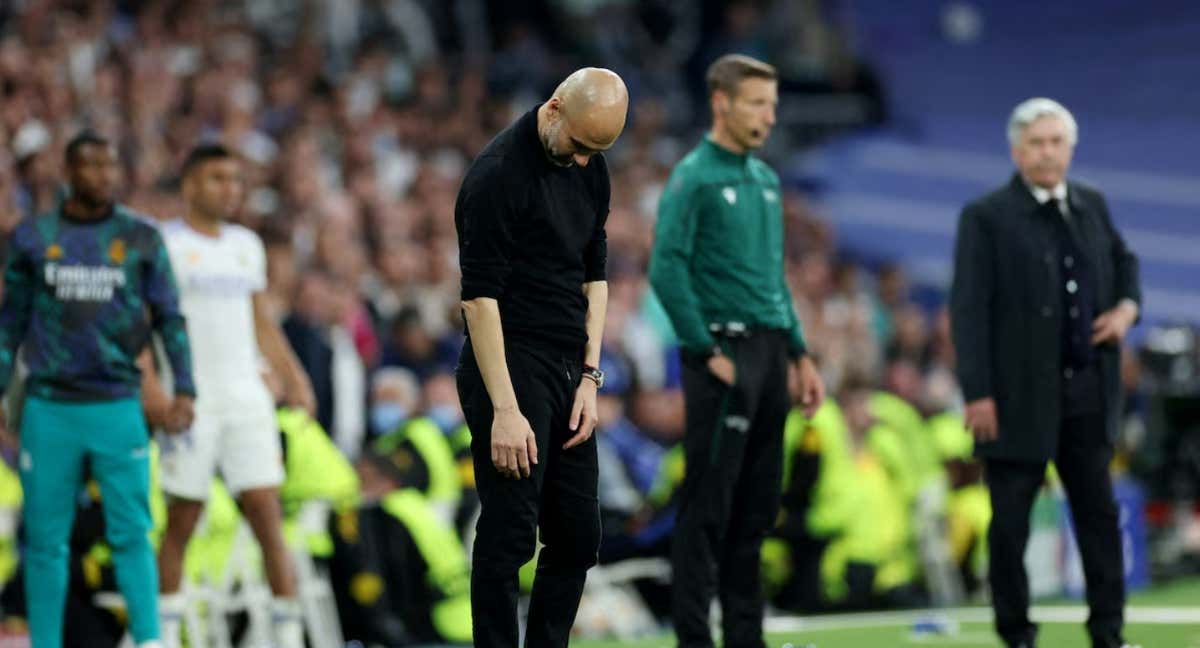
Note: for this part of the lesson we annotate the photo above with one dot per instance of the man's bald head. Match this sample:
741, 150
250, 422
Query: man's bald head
585, 115
595, 102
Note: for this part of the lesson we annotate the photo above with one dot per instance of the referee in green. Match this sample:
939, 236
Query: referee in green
718, 269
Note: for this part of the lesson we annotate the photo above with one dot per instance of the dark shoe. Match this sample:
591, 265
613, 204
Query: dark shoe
1112, 643
1030, 641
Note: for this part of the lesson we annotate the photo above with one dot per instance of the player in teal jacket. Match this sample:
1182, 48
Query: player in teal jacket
84, 287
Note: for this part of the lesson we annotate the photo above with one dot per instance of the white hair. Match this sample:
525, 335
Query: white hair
403, 381
1031, 110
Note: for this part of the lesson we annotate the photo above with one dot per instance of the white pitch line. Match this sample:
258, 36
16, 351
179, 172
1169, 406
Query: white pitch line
1051, 614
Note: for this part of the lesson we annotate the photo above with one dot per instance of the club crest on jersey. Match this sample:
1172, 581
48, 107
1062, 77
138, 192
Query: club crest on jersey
769, 195
54, 252
116, 251
730, 195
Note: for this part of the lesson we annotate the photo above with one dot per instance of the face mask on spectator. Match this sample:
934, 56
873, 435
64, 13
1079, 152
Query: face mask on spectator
386, 417
446, 416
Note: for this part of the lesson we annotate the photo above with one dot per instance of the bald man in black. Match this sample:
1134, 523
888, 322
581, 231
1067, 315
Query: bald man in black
530, 218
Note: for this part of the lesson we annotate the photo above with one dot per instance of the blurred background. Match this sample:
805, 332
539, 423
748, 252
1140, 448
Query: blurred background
358, 118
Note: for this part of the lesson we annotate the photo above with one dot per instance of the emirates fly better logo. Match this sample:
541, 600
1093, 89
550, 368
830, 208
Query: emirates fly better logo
83, 283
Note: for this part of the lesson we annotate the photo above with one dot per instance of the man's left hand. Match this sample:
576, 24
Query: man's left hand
1112, 325
812, 388
583, 413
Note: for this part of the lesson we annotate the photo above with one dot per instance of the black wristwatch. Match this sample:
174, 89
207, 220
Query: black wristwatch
594, 374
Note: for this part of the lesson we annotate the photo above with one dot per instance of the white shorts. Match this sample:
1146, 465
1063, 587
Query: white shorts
239, 441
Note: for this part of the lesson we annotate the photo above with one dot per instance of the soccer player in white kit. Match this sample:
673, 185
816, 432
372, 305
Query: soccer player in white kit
220, 268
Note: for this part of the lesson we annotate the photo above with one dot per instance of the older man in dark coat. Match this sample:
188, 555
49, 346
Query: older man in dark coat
1044, 291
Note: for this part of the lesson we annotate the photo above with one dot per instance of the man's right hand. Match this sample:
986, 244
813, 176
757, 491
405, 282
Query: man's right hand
156, 406
981, 419
514, 448
181, 415
723, 368
7, 438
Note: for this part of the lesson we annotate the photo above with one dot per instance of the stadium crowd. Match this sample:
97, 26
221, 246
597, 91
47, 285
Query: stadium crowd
355, 120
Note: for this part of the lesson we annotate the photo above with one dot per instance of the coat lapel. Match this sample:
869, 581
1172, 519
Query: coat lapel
1084, 222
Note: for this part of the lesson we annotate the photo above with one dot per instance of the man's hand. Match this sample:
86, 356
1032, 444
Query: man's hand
723, 368
1112, 325
981, 419
514, 448
583, 413
156, 402
181, 415
156, 406
812, 388
8, 439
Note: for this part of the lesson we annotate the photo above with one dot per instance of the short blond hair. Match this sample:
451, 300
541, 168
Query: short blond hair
728, 72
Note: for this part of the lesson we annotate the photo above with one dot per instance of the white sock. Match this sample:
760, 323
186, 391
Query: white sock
288, 625
170, 618
153, 643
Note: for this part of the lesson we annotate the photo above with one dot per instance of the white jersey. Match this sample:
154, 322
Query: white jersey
217, 278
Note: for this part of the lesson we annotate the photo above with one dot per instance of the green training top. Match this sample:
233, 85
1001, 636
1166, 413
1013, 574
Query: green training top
718, 248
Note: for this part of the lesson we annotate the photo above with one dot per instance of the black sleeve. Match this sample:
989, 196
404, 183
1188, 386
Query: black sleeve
1126, 268
595, 258
971, 304
162, 295
483, 218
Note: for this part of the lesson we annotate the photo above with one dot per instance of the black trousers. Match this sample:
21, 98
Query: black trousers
731, 490
1082, 462
559, 499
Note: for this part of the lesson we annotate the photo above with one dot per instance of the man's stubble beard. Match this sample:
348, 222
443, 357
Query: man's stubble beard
548, 138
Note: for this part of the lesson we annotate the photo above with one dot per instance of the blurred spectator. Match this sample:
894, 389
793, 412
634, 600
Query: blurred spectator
441, 402
400, 574
659, 413
872, 556
910, 340
892, 293
348, 369
639, 455
968, 508
942, 392
742, 31
903, 378
305, 329
395, 397
627, 330
329, 356
396, 421
837, 316
412, 346
282, 272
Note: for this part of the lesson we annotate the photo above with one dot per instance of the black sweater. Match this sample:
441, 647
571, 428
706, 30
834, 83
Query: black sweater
530, 234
